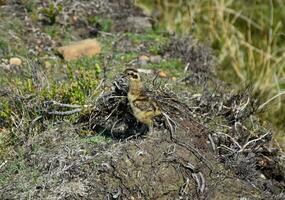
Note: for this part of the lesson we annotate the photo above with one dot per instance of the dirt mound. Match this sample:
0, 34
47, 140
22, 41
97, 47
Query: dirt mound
203, 147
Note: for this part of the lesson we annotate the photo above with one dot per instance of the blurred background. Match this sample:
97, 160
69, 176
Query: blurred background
248, 38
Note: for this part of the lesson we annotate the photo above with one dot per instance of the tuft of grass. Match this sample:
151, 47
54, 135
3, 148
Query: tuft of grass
247, 35
3, 47
52, 12
29, 5
104, 23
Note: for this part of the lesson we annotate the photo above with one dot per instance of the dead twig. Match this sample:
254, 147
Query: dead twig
65, 113
170, 122
62, 104
232, 139
212, 142
253, 141
3, 163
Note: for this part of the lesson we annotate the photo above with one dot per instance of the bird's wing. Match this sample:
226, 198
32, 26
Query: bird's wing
144, 104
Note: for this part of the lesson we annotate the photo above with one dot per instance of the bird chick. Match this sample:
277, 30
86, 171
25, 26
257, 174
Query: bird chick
143, 107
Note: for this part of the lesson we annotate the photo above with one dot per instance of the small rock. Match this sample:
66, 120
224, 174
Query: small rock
262, 176
143, 60
143, 57
162, 74
88, 47
155, 59
15, 61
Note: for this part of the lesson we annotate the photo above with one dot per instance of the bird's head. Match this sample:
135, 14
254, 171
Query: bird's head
132, 74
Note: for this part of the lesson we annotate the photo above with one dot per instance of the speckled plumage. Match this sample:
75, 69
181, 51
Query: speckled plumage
143, 107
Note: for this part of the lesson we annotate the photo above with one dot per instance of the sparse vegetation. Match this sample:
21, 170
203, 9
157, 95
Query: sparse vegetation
51, 13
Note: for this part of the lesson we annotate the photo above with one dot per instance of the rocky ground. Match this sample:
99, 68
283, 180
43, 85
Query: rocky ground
66, 129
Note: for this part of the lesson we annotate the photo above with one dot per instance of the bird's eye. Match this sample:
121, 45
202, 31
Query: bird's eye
135, 76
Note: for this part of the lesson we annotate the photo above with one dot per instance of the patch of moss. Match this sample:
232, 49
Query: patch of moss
146, 37
97, 139
154, 40
172, 66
